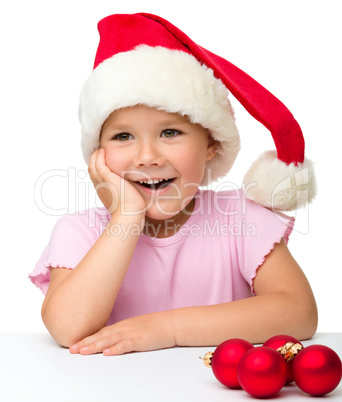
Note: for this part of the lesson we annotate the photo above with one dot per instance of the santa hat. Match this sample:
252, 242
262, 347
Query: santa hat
144, 59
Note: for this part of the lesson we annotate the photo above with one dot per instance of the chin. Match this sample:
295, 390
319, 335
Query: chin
159, 214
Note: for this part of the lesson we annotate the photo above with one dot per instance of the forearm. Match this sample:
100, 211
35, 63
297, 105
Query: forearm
82, 302
255, 319
284, 304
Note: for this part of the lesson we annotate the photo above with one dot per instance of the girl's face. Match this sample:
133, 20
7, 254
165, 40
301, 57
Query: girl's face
143, 144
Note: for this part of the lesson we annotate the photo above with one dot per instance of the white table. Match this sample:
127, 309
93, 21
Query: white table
34, 368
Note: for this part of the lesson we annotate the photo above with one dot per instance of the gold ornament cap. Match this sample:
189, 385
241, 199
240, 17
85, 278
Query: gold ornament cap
290, 350
207, 358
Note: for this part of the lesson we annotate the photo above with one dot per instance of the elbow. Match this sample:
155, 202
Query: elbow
312, 321
297, 316
307, 319
309, 326
65, 335
62, 337
63, 340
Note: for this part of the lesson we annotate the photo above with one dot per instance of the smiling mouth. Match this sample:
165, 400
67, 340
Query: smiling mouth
155, 184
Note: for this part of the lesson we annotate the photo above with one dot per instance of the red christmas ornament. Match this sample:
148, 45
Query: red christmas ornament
317, 370
225, 359
277, 342
262, 372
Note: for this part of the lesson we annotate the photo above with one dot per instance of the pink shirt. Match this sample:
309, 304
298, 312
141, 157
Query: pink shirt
212, 259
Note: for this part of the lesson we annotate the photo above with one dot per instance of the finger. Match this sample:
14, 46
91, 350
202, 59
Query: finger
93, 156
83, 343
74, 349
96, 347
100, 165
95, 177
120, 348
93, 345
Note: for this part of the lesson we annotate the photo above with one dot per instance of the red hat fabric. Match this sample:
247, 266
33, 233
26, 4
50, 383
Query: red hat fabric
144, 59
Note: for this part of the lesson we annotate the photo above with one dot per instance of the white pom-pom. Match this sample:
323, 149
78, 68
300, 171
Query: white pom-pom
276, 185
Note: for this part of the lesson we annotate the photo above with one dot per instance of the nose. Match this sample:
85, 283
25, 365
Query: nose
149, 154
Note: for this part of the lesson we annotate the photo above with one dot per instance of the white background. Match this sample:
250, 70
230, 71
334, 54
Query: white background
292, 47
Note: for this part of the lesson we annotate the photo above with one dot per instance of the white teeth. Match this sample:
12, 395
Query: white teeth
155, 181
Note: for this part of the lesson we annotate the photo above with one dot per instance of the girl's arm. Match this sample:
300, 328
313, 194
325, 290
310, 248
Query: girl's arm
79, 302
284, 304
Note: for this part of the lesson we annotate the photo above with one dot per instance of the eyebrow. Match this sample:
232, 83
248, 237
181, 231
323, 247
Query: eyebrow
170, 122
121, 126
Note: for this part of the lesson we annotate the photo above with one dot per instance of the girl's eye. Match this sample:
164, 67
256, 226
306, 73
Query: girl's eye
123, 137
169, 133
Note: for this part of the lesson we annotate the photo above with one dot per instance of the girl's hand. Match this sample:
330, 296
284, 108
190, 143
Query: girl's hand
137, 334
115, 192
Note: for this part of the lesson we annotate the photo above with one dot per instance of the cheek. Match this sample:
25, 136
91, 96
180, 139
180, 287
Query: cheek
116, 161
194, 164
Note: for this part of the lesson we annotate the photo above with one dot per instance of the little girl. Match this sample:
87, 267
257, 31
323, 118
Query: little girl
165, 262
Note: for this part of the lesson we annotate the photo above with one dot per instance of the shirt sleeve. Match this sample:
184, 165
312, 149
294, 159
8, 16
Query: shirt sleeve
71, 238
263, 229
